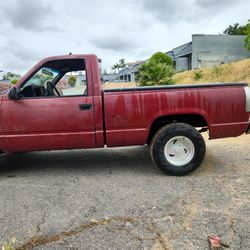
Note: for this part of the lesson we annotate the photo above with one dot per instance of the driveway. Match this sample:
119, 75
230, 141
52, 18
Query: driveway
117, 199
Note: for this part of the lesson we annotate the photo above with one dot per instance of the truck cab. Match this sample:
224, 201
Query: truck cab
50, 113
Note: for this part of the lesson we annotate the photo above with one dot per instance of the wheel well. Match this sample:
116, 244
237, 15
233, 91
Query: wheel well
193, 120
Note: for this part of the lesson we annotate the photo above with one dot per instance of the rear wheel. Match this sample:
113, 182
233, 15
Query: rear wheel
178, 149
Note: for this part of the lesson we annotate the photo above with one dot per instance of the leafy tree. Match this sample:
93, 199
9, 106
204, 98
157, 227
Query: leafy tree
160, 57
10, 76
247, 39
235, 29
158, 70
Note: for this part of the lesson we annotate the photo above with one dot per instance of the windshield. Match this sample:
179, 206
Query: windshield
41, 77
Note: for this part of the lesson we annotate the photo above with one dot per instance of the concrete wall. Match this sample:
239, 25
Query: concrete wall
211, 50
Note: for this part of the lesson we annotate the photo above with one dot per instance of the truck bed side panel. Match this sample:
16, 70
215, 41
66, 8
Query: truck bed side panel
129, 115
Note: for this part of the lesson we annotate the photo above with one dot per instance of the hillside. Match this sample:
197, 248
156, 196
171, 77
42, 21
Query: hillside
232, 72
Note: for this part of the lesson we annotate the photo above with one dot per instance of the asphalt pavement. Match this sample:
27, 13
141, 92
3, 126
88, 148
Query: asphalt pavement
117, 199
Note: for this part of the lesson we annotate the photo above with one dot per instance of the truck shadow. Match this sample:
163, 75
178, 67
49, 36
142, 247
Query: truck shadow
136, 159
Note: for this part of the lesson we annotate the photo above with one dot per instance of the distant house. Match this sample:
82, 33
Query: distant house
208, 50
202, 51
182, 57
4, 81
5, 85
129, 73
109, 77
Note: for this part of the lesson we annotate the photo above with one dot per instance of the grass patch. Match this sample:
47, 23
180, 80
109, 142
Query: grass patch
10, 244
197, 75
232, 72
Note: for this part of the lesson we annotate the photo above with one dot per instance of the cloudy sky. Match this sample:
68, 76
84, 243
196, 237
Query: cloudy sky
133, 29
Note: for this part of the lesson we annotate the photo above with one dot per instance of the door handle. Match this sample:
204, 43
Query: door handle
85, 106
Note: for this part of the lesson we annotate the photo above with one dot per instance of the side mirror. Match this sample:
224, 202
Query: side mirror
13, 94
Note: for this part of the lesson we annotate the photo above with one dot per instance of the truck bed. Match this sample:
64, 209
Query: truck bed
130, 113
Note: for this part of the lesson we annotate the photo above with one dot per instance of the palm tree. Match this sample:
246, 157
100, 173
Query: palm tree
122, 63
158, 70
116, 67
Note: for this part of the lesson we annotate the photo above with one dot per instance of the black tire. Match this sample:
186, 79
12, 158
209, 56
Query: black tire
187, 136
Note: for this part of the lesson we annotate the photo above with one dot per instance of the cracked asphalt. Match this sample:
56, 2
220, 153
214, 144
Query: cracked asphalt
117, 199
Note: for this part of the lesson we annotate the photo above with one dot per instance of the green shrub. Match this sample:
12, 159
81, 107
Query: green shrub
14, 81
160, 57
216, 71
198, 74
158, 70
247, 39
72, 81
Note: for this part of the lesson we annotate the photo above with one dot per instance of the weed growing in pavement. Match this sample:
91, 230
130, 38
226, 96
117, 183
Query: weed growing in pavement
10, 244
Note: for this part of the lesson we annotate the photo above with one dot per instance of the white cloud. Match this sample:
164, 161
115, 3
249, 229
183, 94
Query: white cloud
132, 29
30, 15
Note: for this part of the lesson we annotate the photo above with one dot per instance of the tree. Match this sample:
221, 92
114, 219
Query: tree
115, 67
161, 57
247, 39
120, 65
235, 29
10, 76
158, 70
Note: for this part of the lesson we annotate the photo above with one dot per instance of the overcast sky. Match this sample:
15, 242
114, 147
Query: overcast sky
133, 29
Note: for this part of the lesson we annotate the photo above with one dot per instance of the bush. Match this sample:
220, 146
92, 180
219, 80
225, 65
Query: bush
72, 81
14, 81
160, 57
198, 75
217, 71
247, 39
158, 70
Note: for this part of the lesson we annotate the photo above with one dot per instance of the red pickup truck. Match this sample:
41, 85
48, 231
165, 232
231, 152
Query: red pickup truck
59, 104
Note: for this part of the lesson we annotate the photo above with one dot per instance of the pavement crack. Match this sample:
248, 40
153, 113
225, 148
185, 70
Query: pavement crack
235, 233
48, 239
164, 244
147, 222
38, 227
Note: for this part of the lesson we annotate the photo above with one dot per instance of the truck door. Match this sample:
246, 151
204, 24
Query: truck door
54, 111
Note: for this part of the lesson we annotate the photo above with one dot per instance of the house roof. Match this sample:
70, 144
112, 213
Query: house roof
109, 77
180, 51
131, 69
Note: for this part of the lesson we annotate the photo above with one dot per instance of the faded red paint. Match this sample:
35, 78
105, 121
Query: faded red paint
116, 118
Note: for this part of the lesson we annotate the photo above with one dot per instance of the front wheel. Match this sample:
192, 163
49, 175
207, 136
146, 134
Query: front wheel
178, 149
